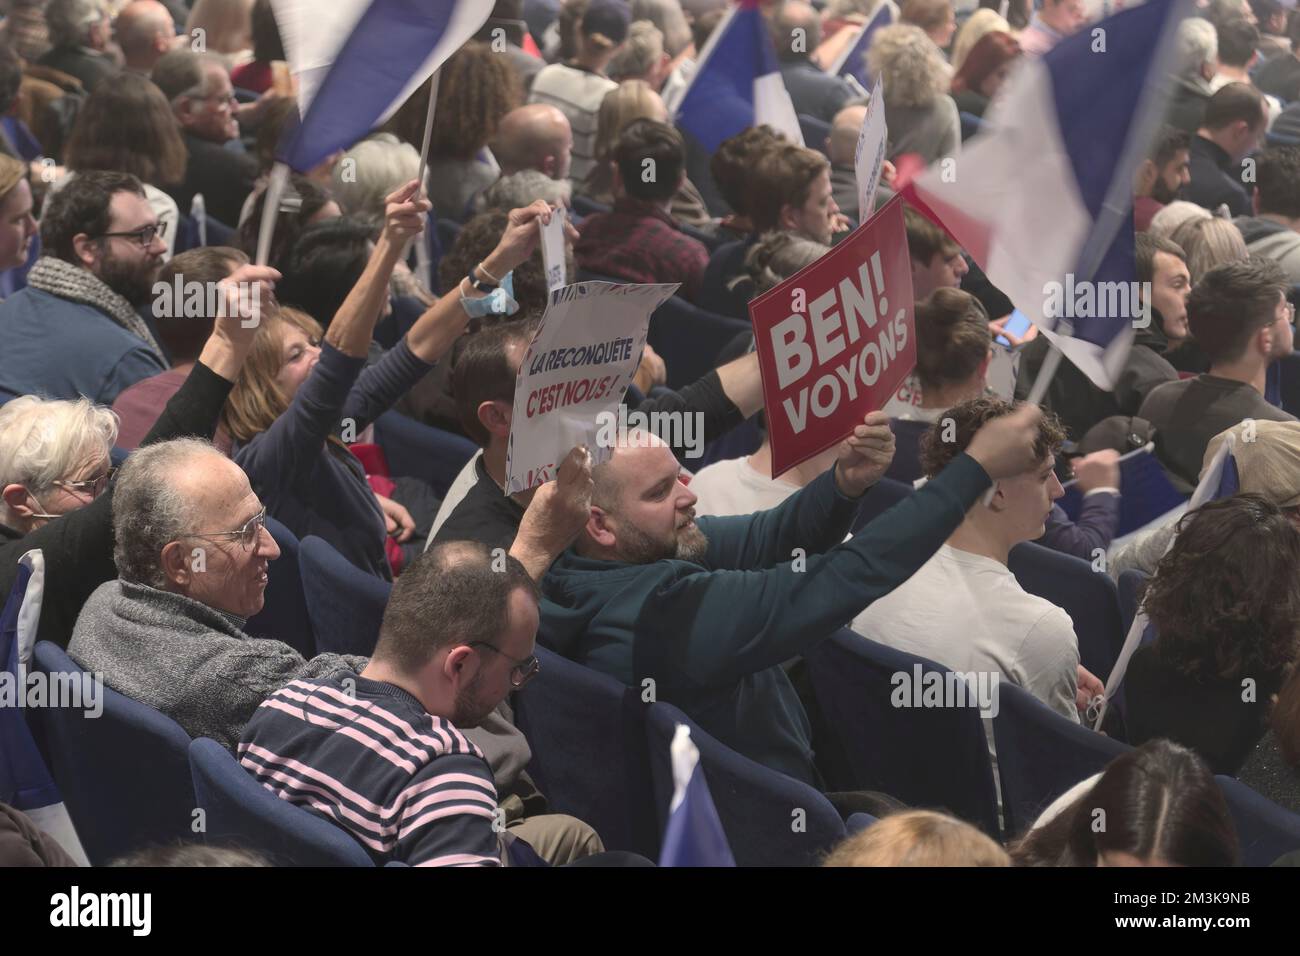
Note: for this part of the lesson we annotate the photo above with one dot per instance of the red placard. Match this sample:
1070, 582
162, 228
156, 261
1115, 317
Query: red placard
836, 339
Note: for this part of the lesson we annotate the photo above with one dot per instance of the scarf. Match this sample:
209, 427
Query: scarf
76, 284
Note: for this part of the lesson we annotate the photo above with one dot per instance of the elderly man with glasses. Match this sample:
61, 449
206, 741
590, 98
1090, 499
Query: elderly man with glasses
75, 330
203, 101
193, 556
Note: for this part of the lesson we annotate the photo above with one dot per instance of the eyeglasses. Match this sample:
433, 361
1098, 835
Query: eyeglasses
1290, 312
144, 235
246, 536
522, 672
88, 486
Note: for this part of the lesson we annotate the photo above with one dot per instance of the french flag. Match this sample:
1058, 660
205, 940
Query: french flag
852, 62
357, 61
737, 83
694, 835
1044, 196
1220, 479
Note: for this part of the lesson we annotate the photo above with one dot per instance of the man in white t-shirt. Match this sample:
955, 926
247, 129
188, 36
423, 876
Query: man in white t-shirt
964, 608
741, 486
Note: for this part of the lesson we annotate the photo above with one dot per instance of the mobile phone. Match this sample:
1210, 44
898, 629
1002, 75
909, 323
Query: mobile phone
1017, 324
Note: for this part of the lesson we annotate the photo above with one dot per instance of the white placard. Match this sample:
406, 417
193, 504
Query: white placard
578, 365
553, 249
870, 156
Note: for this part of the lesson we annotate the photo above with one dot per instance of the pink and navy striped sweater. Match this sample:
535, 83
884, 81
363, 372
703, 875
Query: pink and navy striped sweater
367, 757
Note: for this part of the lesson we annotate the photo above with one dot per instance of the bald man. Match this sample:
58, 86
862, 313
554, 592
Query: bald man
704, 611
842, 145
145, 31
796, 32
536, 136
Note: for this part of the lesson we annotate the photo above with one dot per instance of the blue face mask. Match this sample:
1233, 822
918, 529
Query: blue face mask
500, 301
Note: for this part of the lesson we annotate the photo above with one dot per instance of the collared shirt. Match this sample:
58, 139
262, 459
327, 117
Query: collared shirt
639, 242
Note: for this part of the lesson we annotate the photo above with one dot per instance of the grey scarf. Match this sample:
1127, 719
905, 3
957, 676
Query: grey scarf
76, 284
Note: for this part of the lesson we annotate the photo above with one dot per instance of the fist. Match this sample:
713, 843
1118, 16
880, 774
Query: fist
560, 508
1098, 470
405, 212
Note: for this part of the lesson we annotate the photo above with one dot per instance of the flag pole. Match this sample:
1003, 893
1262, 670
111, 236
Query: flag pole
1046, 372
275, 187
428, 126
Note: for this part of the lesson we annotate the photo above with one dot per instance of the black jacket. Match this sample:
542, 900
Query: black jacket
1216, 179
224, 177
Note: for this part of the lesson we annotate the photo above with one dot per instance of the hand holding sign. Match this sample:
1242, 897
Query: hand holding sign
557, 514
865, 455
552, 234
521, 237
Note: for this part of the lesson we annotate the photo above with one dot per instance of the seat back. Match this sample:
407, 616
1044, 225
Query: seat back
1148, 493
1265, 831
1089, 597
770, 819
587, 734
727, 260
883, 495
1130, 587
124, 774
690, 339
1288, 376
417, 450
923, 755
585, 206
1041, 755
284, 615
240, 812
345, 605
815, 130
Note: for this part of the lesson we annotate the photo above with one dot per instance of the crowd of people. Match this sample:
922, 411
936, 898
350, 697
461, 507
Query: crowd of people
166, 405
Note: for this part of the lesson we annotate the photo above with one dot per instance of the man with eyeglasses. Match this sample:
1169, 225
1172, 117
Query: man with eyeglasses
193, 557
458, 636
75, 330
203, 100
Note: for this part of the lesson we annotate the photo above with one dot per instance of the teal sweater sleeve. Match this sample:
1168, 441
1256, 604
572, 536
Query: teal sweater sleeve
724, 624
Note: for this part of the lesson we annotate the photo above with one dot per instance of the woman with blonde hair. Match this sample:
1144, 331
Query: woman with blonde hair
982, 21
629, 101
918, 838
227, 27
17, 227
296, 394
1209, 243
921, 116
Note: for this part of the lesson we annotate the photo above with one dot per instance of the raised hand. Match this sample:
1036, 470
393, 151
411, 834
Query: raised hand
557, 514
865, 455
405, 213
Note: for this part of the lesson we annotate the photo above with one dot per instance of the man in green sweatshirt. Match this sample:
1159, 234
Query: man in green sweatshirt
702, 614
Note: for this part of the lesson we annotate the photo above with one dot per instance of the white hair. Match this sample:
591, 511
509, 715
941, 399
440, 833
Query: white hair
668, 16
369, 171
44, 441
524, 188
70, 20
151, 509
643, 48
1198, 46
1165, 222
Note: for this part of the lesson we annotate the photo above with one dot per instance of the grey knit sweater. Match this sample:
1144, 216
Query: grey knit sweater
189, 661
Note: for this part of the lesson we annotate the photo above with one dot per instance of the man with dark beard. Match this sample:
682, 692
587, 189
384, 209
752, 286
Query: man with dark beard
702, 615
75, 330
1161, 175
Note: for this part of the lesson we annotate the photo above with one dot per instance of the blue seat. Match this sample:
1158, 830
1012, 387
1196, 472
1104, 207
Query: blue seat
1289, 382
240, 812
1041, 755
741, 441
124, 775
284, 616
883, 495
727, 260
760, 809
587, 734
1130, 587
1265, 831
970, 125
815, 130
585, 206
857, 822
345, 605
906, 466
421, 451
1148, 493
925, 756
689, 339
25, 780
1088, 596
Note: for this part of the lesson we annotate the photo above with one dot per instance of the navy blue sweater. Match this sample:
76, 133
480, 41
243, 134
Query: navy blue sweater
314, 486
712, 636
